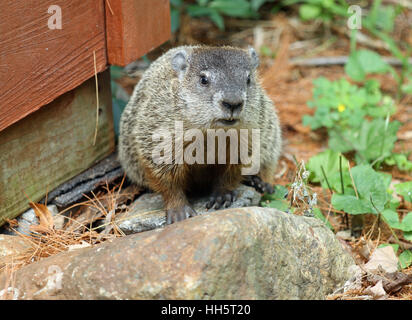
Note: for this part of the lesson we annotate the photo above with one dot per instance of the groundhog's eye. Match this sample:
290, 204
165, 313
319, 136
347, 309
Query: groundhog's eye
204, 80
248, 79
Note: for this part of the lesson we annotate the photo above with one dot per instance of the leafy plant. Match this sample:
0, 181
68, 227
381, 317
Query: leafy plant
400, 160
362, 190
405, 190
324, 10
345, 109
326, 167
364, 62
372, 142
215, 10
380, 23
339, 103
277, 199
357, 120
405, 259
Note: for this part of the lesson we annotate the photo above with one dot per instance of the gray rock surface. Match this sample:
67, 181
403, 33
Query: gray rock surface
147, 212
244, 253
11, 246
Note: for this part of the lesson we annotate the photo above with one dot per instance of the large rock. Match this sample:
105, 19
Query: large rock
11, 246
246, 253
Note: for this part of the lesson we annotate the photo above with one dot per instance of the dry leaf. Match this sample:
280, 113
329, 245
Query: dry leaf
44, 215
384, 257
365, 248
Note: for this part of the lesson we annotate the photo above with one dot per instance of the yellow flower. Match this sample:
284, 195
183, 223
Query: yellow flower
341, 108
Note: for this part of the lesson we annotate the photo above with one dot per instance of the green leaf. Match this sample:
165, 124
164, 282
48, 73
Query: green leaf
217, 19
393, 204
202, 2
341, 141
176, 3
276, 199
363, 62
405, 259
213, 14
385, 18
233, 8
374, 140
407, 235
280, 192
351, 204
370, 185
309, 12
391, 218
198, 11
329, 160
406, 224
400, 160
175, 20
256, 4
405, 190
407, 87
116, 72
277, 204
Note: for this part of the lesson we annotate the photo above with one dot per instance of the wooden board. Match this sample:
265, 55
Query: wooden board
54, 144
38, 64
134, 27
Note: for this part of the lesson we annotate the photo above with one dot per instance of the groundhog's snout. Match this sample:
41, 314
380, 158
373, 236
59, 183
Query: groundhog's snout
232, 106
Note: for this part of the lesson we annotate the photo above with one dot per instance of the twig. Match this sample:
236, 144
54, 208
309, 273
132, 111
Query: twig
390, 228
346, 217
110, 8
97, 97
341, 175
326, 179
353, 182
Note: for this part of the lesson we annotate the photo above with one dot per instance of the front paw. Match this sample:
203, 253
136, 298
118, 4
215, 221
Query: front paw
221, 199
257, 183
179, 214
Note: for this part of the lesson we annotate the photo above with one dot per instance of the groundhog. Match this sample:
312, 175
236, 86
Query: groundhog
203, 88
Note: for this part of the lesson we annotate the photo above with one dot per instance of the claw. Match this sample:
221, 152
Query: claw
257, 183
221, 200
179, 214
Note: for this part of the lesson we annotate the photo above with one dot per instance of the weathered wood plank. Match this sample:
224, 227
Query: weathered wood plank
134, 27
54, 144
38, 64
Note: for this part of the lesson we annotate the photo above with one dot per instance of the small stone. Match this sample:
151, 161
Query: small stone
344, 235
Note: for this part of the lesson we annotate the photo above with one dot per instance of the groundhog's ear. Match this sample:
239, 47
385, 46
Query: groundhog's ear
179, 61
254, 57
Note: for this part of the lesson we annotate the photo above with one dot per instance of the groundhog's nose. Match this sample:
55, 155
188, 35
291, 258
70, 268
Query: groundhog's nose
232, 105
